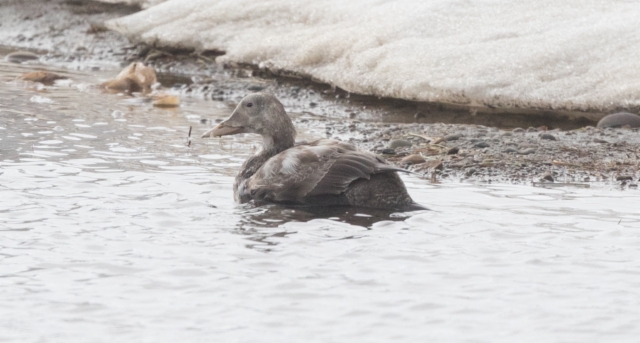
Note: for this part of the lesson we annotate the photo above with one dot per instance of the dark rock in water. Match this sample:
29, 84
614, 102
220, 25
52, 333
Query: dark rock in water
547, 176
470, 172
518, 129
548, 136
453, 137
399, 143
453, 151
527, 151
532, 129
598, 140
624, 178
481, 145
255, 88
511, 150
21, 56
507, 134
412, 159
619, 120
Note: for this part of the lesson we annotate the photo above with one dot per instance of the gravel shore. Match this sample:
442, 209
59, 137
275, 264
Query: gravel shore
438, 142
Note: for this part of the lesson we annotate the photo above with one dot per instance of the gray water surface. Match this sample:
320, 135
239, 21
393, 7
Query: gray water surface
112, 229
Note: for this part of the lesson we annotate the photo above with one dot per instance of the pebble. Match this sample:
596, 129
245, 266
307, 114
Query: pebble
412, 159
399, 143
513, 150
453, 137
518, 129
624, 178
619, 120
388, 151
453, 151
598, 140
470, 172
21, 56
548, 136
527, 151
481, 145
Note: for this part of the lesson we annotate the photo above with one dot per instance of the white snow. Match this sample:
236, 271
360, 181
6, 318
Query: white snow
557, 54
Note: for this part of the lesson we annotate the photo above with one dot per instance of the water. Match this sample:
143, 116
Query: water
113, 229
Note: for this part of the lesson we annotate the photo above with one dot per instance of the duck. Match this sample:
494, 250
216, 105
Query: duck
324, 172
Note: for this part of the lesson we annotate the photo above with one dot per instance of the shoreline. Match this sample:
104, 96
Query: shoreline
537, 150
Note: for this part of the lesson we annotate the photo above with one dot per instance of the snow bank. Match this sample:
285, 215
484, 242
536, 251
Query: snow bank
558, 54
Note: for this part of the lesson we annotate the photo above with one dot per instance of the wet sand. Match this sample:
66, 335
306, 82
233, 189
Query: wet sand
525, 146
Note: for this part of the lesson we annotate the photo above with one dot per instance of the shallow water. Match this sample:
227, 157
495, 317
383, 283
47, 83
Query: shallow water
112, 228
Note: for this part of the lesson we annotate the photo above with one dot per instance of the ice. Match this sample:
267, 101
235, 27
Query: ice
561, 54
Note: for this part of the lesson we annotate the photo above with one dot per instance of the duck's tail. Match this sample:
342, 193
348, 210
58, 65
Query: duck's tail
413, 206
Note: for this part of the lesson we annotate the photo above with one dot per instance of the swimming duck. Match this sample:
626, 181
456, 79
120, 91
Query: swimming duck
324, 172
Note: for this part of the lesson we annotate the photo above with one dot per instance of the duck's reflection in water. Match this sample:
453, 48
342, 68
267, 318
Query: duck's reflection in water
263, 223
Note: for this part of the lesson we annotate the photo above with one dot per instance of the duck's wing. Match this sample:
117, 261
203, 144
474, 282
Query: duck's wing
317, 168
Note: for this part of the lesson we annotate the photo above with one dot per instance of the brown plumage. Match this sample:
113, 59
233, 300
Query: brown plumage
324, 172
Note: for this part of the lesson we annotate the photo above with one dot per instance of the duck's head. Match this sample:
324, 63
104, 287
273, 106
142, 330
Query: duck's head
260, 113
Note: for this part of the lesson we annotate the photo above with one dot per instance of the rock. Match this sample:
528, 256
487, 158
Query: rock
453, 151
388, 151
624, 178
547, 176
470, 172
621, 119
482, 144
507, 134
166, 100
598, 140
399, 143
511, 150
44, 77
528, 151
21, 56
135, 78
532, 129
412, 159
518, 129
548, 136
453, 137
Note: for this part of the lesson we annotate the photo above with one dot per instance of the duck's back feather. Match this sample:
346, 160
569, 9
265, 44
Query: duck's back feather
323, 167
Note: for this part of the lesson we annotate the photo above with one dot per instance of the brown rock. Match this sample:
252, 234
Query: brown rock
135, 78
411, 160
166, 100
44, 77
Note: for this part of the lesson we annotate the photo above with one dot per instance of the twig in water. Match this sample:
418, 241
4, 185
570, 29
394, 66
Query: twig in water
189, 137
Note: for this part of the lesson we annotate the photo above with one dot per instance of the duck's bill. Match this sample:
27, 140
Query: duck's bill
222, 130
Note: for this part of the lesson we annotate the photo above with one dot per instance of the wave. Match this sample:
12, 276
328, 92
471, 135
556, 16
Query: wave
550, 54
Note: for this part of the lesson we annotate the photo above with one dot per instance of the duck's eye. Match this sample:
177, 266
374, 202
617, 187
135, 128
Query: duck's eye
250, 104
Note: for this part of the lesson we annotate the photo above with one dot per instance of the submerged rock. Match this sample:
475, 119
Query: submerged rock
619, 120
135, 78
21, 56
166, 100
44, 77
